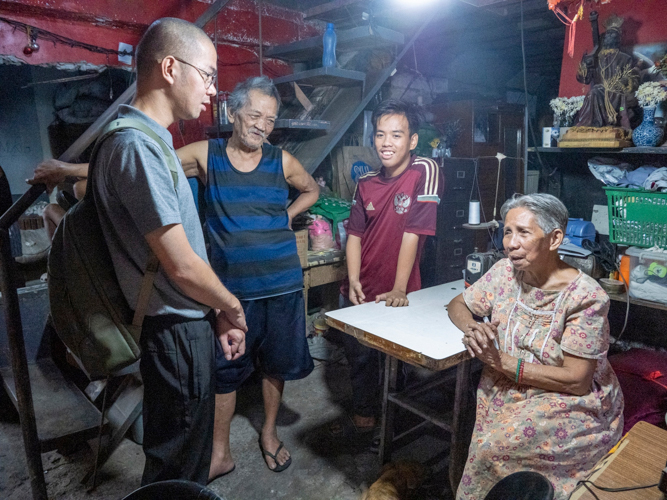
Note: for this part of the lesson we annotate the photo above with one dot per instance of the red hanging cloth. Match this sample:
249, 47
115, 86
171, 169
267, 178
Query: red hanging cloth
570, 23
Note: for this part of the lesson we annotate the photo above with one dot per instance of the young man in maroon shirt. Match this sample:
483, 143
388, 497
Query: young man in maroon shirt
393, 211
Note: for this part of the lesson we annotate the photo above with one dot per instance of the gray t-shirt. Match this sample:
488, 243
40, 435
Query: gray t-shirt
134, 193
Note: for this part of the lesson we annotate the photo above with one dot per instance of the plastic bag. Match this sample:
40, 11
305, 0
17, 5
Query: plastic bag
608, 170
341, 234
321, 237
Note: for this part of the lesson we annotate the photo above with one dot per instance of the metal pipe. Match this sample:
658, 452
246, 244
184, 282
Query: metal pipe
10, 299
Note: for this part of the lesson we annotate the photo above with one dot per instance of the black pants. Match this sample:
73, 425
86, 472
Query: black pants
365, 374
177, 367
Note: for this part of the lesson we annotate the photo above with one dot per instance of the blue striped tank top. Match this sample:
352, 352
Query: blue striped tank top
253, 250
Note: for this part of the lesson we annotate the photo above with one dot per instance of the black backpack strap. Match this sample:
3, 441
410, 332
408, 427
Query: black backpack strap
146, 288
153, 263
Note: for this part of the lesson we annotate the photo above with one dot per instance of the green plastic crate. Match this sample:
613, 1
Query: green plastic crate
637, 217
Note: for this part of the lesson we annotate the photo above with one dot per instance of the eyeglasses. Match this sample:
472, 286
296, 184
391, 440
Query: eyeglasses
209, 78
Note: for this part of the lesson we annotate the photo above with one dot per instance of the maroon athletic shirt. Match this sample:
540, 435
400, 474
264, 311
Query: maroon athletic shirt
385, 208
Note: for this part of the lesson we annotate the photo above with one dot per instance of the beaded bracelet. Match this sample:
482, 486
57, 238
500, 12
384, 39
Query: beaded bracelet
518, 370
521, 371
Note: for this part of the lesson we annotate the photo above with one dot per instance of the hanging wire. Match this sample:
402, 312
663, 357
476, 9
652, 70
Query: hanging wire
110, 81
525, 89
54, 38
261, 55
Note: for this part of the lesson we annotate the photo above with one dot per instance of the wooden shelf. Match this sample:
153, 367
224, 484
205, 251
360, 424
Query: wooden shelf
359, 38
323, 76
622, 297
337, 10
651, 151
281, 124
484, 225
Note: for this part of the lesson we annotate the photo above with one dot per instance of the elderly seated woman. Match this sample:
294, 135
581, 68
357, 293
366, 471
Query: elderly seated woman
548, 400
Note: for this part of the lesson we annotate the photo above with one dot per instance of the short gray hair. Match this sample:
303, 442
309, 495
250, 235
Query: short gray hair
548, 210
239, 97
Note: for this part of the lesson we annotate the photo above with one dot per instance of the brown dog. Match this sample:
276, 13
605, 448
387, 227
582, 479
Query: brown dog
397, 481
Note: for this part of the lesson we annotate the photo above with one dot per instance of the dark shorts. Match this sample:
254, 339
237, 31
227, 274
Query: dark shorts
276, 339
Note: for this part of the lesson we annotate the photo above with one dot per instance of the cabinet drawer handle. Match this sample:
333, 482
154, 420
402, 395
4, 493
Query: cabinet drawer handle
457, 188
458, 241
454, 266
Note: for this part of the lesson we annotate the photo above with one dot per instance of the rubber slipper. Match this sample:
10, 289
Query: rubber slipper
375, 443
344, 427
220, 475
278, 467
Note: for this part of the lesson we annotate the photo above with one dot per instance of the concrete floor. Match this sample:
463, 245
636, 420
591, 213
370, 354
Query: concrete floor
323, 468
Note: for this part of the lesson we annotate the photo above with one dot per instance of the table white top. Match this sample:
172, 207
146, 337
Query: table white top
423, 327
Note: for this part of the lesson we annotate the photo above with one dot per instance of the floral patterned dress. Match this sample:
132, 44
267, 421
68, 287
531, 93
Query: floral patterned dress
519, 427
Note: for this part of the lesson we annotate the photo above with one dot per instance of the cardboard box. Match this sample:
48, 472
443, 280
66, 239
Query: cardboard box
302, 246
546, 136
595, 137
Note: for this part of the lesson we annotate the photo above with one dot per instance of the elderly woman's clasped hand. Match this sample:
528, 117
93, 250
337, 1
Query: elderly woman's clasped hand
480, 341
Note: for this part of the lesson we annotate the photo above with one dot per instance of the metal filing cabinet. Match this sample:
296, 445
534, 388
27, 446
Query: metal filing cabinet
453, 243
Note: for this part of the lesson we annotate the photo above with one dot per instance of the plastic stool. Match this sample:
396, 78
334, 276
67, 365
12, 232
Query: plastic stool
523, 485
176, 489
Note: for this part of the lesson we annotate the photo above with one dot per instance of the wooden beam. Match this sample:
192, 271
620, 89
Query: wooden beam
482, 3
315, 12
453, 28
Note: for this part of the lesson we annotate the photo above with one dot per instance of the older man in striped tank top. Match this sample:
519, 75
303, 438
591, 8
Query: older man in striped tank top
253, 252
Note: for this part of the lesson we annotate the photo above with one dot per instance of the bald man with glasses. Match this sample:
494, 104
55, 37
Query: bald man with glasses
141, 209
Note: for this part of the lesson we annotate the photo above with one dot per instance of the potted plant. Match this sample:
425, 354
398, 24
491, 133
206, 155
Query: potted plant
559, 107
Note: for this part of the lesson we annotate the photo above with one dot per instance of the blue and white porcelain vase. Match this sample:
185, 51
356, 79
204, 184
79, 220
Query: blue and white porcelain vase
647, 134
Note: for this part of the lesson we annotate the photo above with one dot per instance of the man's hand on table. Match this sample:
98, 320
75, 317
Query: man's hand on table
356, 294
395, 298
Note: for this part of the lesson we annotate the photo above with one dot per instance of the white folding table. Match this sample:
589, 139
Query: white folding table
423, 335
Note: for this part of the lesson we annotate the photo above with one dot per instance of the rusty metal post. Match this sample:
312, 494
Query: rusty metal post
20, 368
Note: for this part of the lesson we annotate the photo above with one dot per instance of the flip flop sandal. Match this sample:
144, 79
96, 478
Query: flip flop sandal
220, 475
375, 443
278, 467
344, 427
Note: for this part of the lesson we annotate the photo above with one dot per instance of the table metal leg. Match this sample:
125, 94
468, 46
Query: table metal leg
459, 445
388, 409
